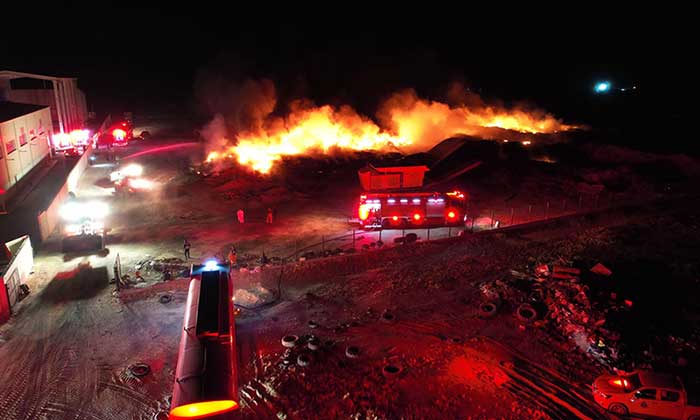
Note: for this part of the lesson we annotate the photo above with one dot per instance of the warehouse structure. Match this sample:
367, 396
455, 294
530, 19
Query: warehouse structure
25, 132
61, 94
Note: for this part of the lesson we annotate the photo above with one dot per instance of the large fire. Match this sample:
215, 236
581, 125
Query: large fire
411, 124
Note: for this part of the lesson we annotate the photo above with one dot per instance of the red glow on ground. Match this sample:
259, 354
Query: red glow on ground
469, 370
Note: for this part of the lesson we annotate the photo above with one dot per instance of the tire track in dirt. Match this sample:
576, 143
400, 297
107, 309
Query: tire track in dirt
539, 382
54, 409
254, 395
32, 363
552, 393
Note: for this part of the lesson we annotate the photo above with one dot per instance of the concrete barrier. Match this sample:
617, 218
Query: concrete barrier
49, 218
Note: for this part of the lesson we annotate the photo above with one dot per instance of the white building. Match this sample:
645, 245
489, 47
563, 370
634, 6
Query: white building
25, 133
61, 94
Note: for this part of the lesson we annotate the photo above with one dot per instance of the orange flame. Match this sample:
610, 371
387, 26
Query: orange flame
429, 122
316, 129
411, 124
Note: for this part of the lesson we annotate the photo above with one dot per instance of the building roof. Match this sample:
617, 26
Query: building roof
12, 110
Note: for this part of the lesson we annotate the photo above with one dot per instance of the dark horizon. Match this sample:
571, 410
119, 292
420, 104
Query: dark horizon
159, 61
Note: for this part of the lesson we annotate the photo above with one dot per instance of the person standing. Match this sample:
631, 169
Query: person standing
268, 220
241, 216
232, 258
187, 245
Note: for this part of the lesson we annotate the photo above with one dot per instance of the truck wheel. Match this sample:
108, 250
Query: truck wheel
618, 409
694, 418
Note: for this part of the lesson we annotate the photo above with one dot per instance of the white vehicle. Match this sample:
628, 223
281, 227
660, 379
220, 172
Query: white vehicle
129, 171
83, 224
645, 394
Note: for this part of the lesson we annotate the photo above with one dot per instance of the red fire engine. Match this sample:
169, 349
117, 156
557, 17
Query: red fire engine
118, 134
395, 199
73, 143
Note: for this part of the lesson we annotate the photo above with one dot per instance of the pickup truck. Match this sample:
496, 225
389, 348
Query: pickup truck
645, 394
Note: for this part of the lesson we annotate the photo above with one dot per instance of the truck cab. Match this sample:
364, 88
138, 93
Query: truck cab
645, 394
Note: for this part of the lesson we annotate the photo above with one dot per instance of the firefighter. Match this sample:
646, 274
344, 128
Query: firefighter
241, 216
268, 220
187, 245
232, 258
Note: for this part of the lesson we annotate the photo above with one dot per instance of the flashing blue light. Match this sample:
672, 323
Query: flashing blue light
92, 158
602, 87
211, 265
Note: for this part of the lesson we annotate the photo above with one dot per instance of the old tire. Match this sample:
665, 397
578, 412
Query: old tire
352, 352
391, 371
488, 310
619, 409
303, 360
314, 343
526, 313
139, 369
290, 341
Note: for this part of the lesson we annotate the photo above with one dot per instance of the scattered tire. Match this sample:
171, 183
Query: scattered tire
391, 371
165, 299
353, 352
488, 310
139, 369
526, 313
303, 360
287, 358
313, 344
312, 324
388, 317
290, 341
619, 409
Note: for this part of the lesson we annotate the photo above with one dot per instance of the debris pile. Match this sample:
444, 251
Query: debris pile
150, 270
554, 296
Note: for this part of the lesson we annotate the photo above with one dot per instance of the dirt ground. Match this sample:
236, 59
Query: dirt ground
65, 353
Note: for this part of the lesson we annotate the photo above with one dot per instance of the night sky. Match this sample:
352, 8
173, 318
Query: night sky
147, 60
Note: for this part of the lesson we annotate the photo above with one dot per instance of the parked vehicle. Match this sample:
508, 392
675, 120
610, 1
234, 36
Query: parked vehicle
645, 394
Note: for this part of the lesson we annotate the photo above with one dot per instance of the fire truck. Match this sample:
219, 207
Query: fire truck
118, 134
71, 144
396, 199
